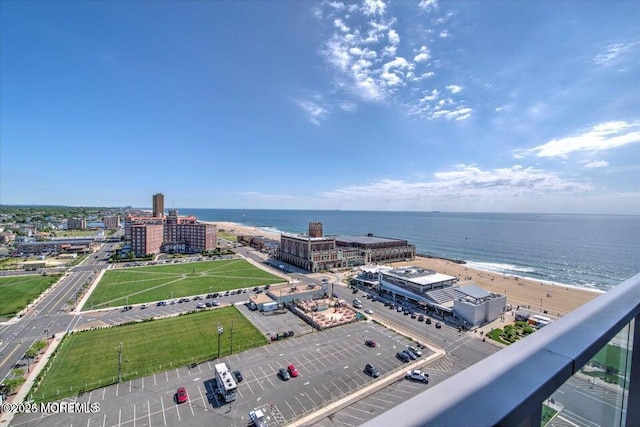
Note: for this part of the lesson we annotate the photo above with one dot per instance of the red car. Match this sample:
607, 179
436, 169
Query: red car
371, 343
181, 395
292, 371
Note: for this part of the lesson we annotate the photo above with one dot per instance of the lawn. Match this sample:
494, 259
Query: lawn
156, 283
18, 291
89, 360
547, 415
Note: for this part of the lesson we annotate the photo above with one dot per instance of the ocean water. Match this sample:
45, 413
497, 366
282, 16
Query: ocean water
592, 251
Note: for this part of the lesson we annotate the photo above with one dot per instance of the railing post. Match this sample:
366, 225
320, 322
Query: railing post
633, 410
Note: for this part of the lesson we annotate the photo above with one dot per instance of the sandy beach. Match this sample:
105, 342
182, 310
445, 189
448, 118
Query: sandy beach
557, 299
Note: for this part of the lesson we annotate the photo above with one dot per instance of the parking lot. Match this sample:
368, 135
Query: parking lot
331, 365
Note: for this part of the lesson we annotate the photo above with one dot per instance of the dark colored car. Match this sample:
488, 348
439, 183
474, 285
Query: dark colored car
413, 315
428, 321
420, 318
283, 374
438, 325
403, 356
238, 376
369, 369
181, 395
371, 343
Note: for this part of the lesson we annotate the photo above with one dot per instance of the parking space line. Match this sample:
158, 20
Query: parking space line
104, 390
362, 402
166, 374
134, 415
154, 379
177, 373
119, 417
142, 382
291, 409
163, 416
190, 407
321, 397
178, 412
149, 412
346, 385
265, 375
104, 420
352, 416
88, 422
250, 388
204, 402
130, 381
373, 396
89, 399
117, 388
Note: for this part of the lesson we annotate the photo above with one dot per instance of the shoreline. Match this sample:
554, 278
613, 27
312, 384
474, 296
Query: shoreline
557, 299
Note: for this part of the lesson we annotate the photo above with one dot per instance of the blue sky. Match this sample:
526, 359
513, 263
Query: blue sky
500, 106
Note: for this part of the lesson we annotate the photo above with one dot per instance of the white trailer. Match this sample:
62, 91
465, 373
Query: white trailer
226, 386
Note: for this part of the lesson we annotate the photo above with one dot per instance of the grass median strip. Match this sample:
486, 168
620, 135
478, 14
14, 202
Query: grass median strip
88, 360
156, 283
18, 291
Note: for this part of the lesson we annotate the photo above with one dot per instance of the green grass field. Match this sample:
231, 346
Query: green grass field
155, 283
18, 291
88, 360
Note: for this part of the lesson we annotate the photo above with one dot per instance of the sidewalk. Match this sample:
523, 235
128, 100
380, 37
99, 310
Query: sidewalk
25, 388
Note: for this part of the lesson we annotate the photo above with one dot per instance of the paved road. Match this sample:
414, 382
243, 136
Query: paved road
49, 315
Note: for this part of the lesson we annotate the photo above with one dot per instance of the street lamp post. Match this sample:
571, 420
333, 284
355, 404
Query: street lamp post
220, 331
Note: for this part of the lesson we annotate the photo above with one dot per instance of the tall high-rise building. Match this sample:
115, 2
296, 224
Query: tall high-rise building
158, 204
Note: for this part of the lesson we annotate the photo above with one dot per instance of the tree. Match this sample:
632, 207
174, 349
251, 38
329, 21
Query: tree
12, 384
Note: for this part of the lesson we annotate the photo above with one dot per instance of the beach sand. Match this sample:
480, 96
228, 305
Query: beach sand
557, 299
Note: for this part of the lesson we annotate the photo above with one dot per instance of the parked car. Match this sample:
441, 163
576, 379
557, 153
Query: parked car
411, 355
283, 374
368, 311
417, 375
415, 351
403, 356
292, 371
369, 369
215, 303
413, 315
427, 321
371, 343
201, 305
399, 309
438, 325
181, 395
420, 318
238, 376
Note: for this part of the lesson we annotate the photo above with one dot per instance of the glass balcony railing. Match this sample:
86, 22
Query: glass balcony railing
581, 370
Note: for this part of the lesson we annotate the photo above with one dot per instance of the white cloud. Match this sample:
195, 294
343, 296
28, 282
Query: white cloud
611, 53
394, 38
337, 5
454, 88
423, 55
604, 136
373, 7
314, 112
465, 181
444, 34
432, 97
597, 164
461, 113
339, 24
428, 5
365, 52
348, 106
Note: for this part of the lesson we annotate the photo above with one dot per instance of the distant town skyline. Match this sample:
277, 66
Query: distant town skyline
418, 105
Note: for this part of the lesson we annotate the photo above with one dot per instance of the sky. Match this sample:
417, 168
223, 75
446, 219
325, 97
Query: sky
474, 106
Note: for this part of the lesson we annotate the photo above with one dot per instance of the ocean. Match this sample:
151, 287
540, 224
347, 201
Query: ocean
590, 251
